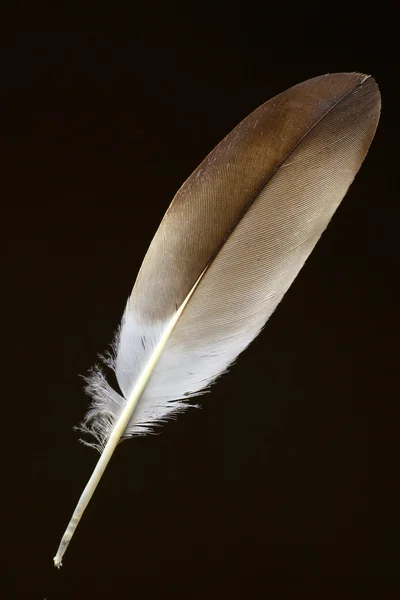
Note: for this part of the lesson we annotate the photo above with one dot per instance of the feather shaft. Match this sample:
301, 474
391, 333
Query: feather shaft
117, 432
231, 243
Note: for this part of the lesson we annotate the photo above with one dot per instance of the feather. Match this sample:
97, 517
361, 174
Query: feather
232, 241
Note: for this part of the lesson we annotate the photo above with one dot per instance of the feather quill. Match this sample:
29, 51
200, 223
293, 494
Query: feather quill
232, 241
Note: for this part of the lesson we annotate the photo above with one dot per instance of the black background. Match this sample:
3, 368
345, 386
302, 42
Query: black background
287, 479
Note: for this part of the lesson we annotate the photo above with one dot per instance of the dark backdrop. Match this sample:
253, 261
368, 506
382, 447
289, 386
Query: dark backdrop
287, 479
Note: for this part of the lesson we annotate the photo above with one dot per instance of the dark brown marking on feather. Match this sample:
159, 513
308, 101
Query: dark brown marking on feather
214, 199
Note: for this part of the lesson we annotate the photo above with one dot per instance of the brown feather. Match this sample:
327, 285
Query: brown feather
234, 238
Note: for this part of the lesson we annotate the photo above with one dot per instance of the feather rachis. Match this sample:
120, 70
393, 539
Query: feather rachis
162, 395
232, 241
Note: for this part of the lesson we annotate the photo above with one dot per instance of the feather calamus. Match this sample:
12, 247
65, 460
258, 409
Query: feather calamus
232, 241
